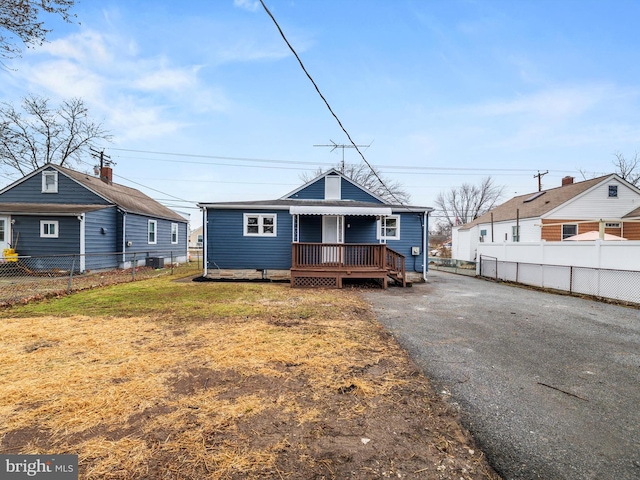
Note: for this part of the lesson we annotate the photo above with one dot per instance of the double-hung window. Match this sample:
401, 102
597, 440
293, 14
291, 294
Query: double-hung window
152, 232
48, 228
389, 228
515, 233
174, 233
260, 225
49, 182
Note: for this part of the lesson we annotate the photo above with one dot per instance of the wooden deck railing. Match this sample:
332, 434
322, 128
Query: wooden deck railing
350, 258
338, 255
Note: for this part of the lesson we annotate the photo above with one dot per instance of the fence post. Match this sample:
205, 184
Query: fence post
571, 279
134, 264
73, 265
171, 262
496, 269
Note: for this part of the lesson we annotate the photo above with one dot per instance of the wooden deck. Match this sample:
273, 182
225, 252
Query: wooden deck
327, 264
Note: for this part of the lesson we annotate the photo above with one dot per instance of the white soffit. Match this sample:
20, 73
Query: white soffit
334, 210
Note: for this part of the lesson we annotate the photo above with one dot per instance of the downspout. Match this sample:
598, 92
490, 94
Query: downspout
425, 242
124, 236
82, 242
205, 243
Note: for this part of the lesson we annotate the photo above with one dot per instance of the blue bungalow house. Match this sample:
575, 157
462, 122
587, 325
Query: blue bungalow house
323, 232
58, 211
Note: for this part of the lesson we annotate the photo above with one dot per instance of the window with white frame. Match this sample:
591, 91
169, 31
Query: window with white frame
515, 233
613, 191
3, 229
48, 228
569, 230
260, 225
49, 182
612, 225
174, 233
389, 228
152, 232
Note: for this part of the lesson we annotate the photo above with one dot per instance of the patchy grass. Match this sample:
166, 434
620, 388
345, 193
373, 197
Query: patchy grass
164, 379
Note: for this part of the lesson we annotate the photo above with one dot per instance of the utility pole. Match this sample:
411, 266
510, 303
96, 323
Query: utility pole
105, 160
539, 177
334, 145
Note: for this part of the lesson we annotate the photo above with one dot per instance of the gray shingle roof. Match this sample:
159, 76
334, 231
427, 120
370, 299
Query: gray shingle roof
289, 202
537, 207
48, 208
129, 199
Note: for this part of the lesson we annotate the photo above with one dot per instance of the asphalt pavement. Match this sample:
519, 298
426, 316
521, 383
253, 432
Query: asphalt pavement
549, 385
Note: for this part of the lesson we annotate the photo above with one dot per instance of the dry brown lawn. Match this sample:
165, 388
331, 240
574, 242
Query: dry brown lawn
182, 380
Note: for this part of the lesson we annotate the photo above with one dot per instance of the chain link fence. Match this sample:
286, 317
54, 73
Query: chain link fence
452, 265
24, 278
620, 285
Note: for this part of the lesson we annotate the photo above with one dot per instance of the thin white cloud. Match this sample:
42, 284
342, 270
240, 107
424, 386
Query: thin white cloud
249, 5
138, 97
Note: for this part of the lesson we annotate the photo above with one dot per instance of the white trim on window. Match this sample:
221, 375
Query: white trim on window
260, 225
152, 232
49, 181
388, 228
612, 225
613, 191
49, 229
174, 233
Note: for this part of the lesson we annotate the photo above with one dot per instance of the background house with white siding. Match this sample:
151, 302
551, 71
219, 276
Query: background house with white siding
56, 210
606, 204
327, 230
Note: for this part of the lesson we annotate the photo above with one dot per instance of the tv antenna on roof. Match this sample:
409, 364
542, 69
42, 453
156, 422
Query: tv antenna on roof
335, 145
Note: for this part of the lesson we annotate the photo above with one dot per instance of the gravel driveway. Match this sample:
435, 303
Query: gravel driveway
549, 385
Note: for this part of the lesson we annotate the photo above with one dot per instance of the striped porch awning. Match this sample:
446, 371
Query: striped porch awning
339, 210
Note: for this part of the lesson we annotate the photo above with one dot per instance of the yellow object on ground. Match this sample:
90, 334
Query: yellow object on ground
10, 255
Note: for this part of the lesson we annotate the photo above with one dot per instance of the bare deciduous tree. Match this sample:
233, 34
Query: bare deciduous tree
39, 134
20, 23
628, 169
390, 190
466, 203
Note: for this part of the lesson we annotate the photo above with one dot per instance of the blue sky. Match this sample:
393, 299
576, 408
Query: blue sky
444, 91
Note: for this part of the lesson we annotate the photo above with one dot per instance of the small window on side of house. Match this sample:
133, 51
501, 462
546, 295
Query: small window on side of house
389, 228
613, 191
152, 232
49, 182
48, 229
260, 225
174, 233
569, 230
612, 225
515, 233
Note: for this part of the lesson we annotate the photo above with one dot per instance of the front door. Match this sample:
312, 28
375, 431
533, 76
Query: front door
5, 239
332, 232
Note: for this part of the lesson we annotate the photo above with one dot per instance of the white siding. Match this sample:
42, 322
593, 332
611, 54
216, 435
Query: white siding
595, 254
596, 204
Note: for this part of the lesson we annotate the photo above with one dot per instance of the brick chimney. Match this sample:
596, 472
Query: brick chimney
106, 175
567, 181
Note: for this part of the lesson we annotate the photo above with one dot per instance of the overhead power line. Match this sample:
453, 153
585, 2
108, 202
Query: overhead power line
327, 103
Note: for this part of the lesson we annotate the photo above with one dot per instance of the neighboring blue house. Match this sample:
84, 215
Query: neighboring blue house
328, 230
58, 211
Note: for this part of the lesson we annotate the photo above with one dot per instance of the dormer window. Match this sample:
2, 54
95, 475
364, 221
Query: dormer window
613, 191
50, 182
